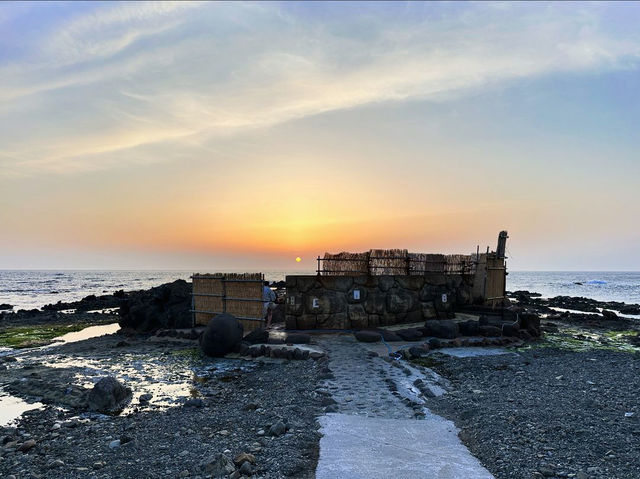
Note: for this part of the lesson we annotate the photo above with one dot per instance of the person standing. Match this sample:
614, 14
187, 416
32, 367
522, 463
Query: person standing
268, 303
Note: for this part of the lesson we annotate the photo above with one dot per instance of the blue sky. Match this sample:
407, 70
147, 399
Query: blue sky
180, 135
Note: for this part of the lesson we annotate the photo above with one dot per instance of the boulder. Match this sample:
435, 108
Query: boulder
5, 306
368, 336
416, 352
388, 335
511, 329
490, 331
108, 395
610, 315
530, 322
410, 334
443, 328
221, 335
469, 328
278, 429
257, 336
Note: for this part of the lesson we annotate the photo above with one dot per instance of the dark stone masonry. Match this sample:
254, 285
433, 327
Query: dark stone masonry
361, 302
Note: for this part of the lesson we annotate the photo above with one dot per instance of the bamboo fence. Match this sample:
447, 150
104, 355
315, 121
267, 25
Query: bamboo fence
239, 294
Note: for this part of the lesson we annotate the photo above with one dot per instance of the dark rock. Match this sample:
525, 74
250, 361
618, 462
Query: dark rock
221, 335
385, 282
511, 329
165, 306
298, 338
27, 446
218, 466
5, 306
194, 402
434, 343
278, 429
410, 334
257, 336
246, 469
327, 302
108, 395
630, 309
375, 302
443, 328
389, 335
297, 354
530, 322
609, 315
417, 352
400, 301
490, 331
469, 328
525, 335
368, 336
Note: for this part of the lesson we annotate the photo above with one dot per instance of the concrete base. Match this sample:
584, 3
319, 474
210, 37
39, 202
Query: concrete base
369, 448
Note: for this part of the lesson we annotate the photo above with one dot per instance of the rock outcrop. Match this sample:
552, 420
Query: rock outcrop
164, 307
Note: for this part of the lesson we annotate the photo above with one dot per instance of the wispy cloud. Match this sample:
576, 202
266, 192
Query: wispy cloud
122, 76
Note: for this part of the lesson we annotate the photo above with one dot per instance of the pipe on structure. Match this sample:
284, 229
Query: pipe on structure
502, 244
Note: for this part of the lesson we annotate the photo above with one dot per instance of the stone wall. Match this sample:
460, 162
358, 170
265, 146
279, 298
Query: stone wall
360, 302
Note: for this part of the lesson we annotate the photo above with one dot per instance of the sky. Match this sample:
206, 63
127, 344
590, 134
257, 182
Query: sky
203, 136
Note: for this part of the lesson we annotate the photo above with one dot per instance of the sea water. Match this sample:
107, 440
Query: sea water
33, 289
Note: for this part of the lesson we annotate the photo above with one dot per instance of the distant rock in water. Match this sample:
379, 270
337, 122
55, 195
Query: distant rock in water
162, 307
5, 306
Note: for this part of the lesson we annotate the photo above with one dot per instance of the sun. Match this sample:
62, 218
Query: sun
298, 259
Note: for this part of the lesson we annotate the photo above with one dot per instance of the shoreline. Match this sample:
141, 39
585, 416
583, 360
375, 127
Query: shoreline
200, 409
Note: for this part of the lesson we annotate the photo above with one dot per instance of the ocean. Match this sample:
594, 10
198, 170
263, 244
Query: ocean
33, 289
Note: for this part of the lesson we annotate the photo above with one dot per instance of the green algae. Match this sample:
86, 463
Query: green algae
33, 336
581, 340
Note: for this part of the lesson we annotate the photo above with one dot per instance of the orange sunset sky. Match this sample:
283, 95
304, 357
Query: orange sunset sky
230, 135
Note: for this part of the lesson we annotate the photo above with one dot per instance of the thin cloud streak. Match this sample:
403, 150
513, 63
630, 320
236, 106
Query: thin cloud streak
211, 70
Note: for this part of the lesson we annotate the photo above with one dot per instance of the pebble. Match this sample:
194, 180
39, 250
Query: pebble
278, 429
114, 444
27, 445
55, 464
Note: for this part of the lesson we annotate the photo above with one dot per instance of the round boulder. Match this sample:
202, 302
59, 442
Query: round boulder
221, 335
107, 395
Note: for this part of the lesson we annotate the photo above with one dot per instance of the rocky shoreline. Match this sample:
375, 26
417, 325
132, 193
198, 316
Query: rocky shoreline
561, 406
